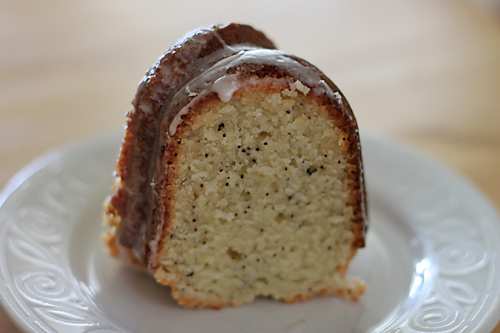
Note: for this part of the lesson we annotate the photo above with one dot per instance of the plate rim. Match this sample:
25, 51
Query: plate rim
54, 154
458, 180
19, 178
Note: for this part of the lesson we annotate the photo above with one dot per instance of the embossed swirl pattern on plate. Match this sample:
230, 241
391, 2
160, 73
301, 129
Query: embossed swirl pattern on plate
35, 257
440, 208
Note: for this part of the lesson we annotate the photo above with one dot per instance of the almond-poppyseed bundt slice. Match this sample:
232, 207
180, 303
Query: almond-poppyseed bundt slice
240, 175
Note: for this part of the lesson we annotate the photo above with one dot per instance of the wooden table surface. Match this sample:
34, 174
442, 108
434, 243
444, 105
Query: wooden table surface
425, 73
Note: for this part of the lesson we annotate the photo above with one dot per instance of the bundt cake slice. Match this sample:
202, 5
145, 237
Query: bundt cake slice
240, 175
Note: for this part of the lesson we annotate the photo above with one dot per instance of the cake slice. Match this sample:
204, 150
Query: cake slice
240, 175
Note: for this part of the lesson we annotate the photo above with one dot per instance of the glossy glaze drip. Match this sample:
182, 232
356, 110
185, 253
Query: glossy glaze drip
225, 87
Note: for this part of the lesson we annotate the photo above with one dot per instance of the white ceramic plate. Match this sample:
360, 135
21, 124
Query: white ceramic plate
432, 260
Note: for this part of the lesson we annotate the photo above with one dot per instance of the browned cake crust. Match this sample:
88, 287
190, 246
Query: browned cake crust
138, 212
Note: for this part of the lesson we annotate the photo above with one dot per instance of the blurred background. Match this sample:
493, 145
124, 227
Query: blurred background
425, 73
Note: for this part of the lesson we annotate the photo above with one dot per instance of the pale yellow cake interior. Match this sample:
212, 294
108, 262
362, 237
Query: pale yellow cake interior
260, 203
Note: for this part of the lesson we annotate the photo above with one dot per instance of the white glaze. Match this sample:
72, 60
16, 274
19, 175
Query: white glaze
178, 117
338, 97
146, 107
225, 87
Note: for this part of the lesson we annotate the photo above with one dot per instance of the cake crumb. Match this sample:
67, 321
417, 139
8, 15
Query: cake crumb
297, 85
